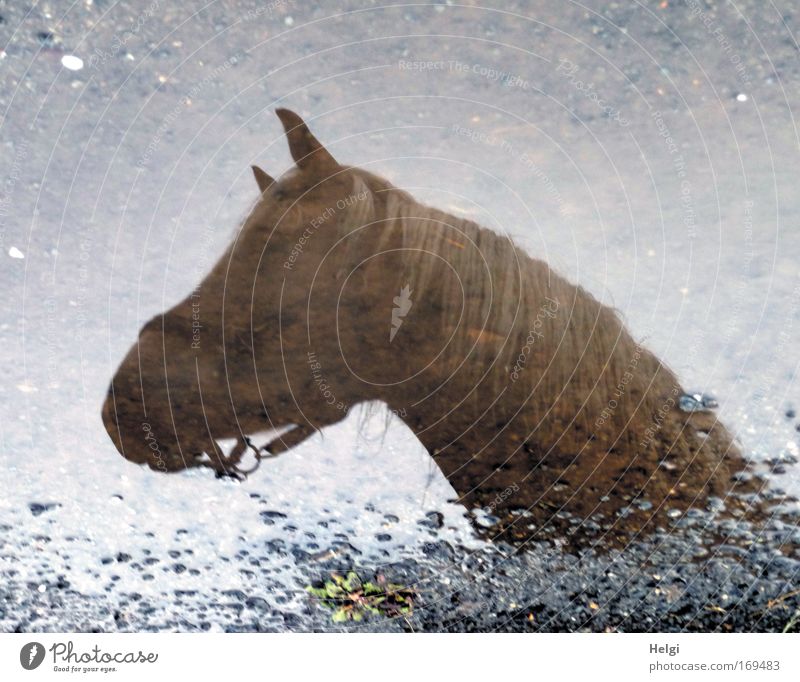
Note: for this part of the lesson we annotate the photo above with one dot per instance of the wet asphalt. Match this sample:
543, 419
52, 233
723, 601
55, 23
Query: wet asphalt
647, 151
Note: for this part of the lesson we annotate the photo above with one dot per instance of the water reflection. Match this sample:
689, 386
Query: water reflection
543, 413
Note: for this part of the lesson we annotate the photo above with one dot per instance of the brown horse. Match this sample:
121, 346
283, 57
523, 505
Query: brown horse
341, 289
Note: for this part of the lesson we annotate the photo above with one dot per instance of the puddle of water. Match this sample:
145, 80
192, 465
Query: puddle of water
680, 219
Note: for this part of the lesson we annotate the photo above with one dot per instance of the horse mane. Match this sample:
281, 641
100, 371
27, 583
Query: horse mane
586, 349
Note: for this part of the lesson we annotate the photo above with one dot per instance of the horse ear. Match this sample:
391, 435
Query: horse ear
306, 150
262, 179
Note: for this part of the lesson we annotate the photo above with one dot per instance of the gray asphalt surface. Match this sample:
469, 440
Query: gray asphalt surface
647, 150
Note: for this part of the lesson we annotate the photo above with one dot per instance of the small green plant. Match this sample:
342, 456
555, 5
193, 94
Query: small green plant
350, 598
